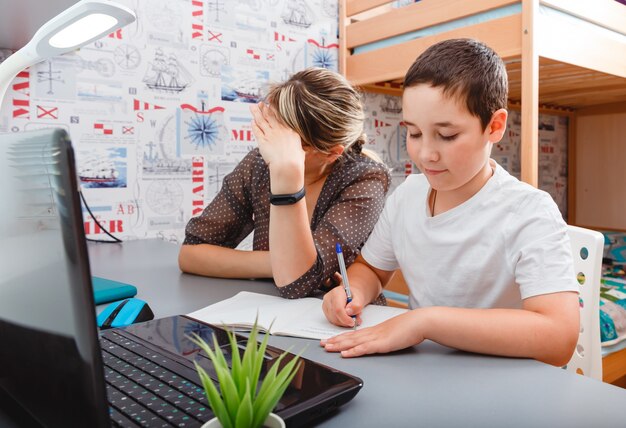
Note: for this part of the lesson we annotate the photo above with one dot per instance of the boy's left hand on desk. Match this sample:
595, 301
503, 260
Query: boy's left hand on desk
397, 333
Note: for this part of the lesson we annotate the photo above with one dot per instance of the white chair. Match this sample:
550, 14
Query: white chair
587, 248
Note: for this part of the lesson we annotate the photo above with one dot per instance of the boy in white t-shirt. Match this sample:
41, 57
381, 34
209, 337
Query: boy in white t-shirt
486, 257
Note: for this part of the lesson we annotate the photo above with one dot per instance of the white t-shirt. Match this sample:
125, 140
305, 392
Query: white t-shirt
506, 243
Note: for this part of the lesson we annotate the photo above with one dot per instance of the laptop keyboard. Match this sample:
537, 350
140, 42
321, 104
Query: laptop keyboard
144, 390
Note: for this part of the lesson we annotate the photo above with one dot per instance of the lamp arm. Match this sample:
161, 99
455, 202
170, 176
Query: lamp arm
40, 48
12, 66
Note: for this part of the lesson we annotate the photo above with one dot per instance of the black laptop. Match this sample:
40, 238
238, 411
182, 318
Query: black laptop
55, 368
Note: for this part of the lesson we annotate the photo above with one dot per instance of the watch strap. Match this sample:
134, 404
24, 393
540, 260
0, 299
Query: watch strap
287, 199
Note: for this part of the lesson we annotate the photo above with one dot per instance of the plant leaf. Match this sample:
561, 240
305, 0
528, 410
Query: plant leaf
286, 381
271, 374
229, 391
244, 414
240, 402
229, 396
250, 355
258, 362
219, 355
270, 377
213, 396
274, 386
272, 399
202, 344
236, 367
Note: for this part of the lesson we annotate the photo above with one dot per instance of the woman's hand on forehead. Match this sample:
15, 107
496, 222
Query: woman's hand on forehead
279, 145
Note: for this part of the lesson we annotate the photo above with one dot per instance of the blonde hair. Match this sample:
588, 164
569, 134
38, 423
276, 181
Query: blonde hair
324, 109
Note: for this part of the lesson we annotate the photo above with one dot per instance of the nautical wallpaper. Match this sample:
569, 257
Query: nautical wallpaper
158, 111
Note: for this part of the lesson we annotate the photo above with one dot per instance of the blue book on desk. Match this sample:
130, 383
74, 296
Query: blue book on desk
107, 290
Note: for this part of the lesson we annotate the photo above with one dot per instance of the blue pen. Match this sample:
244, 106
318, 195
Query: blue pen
344, 276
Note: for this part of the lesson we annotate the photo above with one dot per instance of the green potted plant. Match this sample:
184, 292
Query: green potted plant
240, 402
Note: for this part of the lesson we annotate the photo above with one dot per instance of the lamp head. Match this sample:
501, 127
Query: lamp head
78, 25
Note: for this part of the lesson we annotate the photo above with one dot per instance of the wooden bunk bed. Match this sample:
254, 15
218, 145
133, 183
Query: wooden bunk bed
562, 56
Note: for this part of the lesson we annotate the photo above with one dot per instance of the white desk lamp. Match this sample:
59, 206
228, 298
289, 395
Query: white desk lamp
80, 24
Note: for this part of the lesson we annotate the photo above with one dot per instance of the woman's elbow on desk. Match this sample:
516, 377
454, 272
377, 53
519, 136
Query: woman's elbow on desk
195, 259
222, 262
184, 262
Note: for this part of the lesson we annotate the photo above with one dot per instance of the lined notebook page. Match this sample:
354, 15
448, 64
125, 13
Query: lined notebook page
298, 318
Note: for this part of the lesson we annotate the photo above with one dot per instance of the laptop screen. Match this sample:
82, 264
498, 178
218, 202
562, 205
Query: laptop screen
49, 348
51, 361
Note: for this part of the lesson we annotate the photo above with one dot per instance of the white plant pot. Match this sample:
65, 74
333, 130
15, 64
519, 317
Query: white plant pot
272, 421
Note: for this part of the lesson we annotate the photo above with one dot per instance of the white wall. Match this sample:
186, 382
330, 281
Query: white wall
600, 172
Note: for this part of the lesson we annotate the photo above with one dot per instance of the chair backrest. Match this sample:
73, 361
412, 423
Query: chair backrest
396, 291
587, 248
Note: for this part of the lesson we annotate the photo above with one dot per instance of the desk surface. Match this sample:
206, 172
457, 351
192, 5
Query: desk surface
428, 385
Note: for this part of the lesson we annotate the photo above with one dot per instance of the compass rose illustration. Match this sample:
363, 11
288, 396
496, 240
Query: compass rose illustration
202, 131
204, 128
324, 58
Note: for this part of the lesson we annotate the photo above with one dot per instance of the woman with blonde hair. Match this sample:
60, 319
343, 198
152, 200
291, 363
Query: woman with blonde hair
308, 186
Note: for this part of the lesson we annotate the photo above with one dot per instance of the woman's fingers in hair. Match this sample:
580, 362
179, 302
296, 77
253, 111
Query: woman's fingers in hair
259, 115
270, 115
258, 132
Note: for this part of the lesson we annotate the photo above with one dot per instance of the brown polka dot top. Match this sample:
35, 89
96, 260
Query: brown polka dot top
347, 209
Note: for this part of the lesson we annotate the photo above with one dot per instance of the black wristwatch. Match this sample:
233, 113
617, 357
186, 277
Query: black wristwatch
288, 199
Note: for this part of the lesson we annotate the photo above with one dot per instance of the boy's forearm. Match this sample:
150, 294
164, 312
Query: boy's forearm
505, 332
222, 262
364, 280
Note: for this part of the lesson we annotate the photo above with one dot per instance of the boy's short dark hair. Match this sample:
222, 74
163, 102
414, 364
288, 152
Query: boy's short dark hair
467, 69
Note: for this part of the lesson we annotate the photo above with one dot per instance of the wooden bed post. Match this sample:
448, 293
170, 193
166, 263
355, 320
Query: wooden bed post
571, 168
530, 94
343, 50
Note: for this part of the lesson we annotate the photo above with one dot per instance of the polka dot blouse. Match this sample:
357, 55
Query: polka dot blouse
347, 209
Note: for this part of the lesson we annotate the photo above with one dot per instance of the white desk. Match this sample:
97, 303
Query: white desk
428, 385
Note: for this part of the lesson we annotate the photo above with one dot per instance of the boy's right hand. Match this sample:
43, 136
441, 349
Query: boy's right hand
338, 312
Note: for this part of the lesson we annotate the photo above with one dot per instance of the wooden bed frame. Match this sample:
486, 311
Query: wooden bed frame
554, 66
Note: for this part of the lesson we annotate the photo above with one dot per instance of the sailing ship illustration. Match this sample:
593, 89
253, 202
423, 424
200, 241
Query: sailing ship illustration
98, 171
296, 13
391, 105
154, 163
248, 89
166, 74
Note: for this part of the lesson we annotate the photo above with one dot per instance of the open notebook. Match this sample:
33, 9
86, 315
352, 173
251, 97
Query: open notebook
298, 318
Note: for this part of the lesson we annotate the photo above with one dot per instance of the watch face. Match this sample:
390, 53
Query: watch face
283, 200
287, 199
